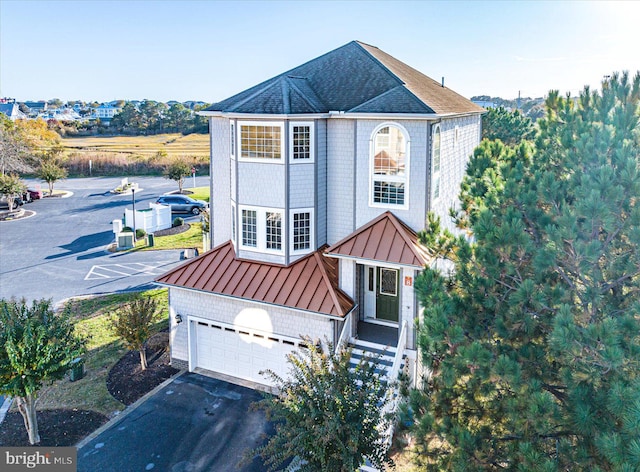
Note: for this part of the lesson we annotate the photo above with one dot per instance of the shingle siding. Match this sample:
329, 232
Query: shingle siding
284, 322
340, 175
453, 163
321, 169
302, 185
220, 201
417, 136
261, 184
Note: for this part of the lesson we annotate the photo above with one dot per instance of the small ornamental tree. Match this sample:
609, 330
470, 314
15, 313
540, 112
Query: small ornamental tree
11, 186
327, 413
51, 172
132, 323
37, 346
177, 171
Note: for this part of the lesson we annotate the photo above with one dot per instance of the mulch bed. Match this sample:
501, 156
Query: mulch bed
127, 381
56, 427
174, 230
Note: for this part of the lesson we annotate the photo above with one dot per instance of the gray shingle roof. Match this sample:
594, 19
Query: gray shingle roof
355, 77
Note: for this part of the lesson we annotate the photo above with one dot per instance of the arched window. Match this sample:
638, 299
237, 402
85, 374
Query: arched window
389, 167
435, 163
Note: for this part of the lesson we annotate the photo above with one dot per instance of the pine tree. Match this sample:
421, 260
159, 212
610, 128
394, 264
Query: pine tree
533, 342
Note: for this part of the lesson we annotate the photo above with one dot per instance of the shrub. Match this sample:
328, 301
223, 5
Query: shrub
177, 222
140, 233
127, 229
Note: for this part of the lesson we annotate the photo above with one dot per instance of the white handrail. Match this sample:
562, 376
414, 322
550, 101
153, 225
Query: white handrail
345, 334
394, 397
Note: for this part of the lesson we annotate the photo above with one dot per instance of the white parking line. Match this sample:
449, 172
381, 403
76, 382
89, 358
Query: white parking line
110, 271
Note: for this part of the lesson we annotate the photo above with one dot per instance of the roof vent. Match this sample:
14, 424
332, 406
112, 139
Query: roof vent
443, 82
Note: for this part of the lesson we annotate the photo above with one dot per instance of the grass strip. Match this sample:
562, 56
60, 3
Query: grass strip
104, 350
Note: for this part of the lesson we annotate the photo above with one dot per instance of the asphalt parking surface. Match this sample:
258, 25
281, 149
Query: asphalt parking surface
59, 252
194, 424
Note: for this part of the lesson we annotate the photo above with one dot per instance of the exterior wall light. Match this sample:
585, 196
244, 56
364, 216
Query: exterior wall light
178, 319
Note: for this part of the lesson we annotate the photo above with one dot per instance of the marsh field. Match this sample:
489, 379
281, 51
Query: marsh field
133, 155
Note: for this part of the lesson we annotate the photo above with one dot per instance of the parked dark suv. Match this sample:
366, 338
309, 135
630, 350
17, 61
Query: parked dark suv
4, 204
182, 204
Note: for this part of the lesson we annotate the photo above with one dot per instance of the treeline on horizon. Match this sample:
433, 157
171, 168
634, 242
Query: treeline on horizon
147, 117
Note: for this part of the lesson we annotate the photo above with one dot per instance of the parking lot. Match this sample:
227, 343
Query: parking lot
61, 252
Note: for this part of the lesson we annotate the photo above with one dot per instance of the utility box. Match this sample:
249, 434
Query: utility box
150, 240
77, 369
125, 240
117, 226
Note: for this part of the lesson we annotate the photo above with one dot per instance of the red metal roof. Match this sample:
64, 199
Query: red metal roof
383, 239
310, 283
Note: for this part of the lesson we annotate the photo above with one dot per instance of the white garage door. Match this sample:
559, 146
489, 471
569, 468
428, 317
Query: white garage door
239, 352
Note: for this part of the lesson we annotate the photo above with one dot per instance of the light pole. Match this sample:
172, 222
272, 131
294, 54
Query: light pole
133, 199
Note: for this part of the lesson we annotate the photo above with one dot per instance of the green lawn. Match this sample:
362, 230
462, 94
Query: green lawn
199, 193
104, 350
192, 238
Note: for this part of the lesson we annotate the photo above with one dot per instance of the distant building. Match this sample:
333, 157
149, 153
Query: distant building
485, 103
35, 108
9, 107
61, 114
106, 112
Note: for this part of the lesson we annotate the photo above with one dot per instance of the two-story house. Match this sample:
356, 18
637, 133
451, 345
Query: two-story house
321, 178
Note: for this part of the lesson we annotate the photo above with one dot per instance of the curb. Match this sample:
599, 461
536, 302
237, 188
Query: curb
127, 411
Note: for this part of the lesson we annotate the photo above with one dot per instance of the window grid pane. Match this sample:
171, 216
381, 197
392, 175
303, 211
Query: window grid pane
389, 152
274, 230
301, 231
249, 228
388, 282
301, 142
391, 193
260, 142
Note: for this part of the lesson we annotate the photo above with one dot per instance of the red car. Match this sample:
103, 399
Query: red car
34, 194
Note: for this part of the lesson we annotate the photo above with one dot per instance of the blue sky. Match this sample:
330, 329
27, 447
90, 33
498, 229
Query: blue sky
210, 50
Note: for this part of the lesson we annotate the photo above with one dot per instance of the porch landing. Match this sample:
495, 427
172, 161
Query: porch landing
378, 334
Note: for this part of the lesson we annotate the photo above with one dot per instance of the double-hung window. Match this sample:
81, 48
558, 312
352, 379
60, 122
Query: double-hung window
261, 141
250, 228
301, 230
389, 167
273, 230
301, 141
262, 229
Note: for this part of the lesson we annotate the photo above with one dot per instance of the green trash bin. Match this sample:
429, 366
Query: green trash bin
150, 241
77, 369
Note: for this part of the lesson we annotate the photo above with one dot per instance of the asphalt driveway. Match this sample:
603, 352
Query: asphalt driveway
195, 423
